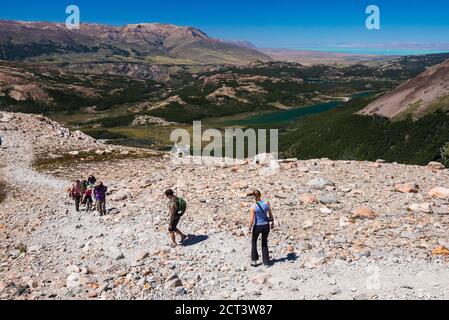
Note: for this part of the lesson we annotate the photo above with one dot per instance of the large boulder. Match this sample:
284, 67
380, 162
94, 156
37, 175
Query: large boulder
6, 117
363, 213
320, 183
407, 188
120, 195
439, 192
82, 136
421, 207
115, 253
308, 199
73, 281
315, 260
328, 198
436, 166
173, 281
440, 251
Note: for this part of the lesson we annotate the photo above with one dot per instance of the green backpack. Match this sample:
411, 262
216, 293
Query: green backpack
182, 206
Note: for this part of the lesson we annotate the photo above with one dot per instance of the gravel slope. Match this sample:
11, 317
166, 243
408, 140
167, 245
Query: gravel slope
321, 249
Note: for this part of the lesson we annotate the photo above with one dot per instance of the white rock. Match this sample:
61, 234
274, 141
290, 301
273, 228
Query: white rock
325, 210
343, 222
308, 224
73, 269
320, 183
120, 195
34, 249
261, 278
439, 192
421, 207
73, 281
435, 166
315, 260
115, 253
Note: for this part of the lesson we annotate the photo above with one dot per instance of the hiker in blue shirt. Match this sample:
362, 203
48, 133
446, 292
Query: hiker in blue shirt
260, 224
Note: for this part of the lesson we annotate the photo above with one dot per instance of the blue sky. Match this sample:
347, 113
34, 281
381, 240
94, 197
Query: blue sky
276, 23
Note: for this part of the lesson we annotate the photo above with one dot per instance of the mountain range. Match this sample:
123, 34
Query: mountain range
151, 42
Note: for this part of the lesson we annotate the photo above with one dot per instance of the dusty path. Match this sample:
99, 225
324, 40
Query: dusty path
50, 251
17, 158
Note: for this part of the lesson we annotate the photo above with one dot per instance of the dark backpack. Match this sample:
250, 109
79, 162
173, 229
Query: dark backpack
182, 206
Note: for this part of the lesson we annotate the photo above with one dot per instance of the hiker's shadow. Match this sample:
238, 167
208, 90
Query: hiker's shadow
289, 257
112, 212
193, 240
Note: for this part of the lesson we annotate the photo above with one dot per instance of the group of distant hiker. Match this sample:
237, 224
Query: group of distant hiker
90, 194
261, 216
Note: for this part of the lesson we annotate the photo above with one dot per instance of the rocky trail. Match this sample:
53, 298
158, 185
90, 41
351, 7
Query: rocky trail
344, 229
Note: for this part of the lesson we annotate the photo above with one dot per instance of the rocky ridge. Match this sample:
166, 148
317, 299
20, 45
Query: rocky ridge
426, 93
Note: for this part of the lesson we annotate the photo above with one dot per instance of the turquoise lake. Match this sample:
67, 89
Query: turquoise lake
284, 117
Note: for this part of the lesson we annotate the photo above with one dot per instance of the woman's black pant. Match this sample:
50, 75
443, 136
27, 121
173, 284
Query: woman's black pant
264, 231
77, 202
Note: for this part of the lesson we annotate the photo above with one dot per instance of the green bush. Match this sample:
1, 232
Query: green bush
120, 121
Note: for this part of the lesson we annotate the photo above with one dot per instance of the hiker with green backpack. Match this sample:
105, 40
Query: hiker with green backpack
177, 207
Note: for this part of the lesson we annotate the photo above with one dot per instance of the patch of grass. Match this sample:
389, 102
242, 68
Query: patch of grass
100, 134
134, 143
409, 112
147, 136
115, 121
441, 103
44, 163
170, 60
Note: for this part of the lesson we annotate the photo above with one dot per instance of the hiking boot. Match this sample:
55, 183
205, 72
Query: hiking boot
254, 263
267, 265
